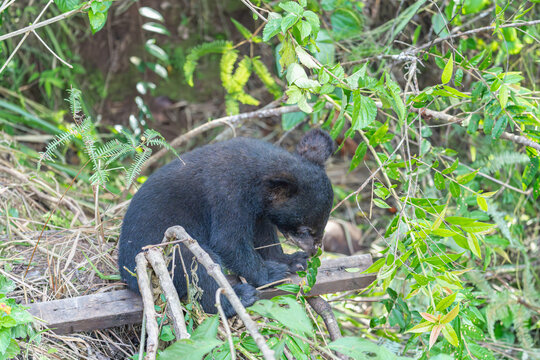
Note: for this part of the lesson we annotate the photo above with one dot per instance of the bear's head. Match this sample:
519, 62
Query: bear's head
299, 198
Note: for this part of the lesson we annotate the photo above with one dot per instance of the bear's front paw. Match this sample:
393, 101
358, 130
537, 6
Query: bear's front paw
272, 271
297, 261
247, 294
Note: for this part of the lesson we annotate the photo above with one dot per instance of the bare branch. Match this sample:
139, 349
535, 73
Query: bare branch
148, 305
155, 258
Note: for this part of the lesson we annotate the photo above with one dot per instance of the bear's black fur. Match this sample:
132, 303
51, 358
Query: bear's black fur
231, 197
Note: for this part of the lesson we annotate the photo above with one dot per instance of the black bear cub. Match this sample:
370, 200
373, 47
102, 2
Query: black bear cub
231, 197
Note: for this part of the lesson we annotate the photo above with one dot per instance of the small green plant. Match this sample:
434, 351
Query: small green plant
102, 156
15, 322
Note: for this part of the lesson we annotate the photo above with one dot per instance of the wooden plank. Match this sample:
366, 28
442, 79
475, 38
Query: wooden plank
105, 310
90, 312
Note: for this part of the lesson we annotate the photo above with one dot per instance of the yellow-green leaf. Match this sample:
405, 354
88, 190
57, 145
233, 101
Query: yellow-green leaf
448, 70
446, 302
423, 327
474, 245
482, 203
451, 315
450, 335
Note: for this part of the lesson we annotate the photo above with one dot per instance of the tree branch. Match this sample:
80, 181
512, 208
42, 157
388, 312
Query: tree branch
454, 119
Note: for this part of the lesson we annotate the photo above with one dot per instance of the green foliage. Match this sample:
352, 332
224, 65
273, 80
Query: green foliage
15, 322
100, 155
202, 341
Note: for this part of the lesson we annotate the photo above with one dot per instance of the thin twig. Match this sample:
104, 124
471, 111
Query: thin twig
51, 51
33, 27
454, 119
225, 322
469, 32
24, 38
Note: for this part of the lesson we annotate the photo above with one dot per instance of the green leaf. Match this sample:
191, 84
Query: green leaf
345, 22
5, 339
97, 20
482, 203
477, 227
272, 27
305, 58
207, 330
288, 21
150, 13
362, 349
359, 155
474, 246
455, 189
67, 5
292, 7
446, 302
439, 181
287, 311
242, 29
448, 70
442, 259
457, 220
305, 29
381, 204
466, 178
503, 96
364, 111
156, 27
421, 328
292, 288
188, 349
156, 51
375, 267
451, 168
458, 77
499, 127
314, 21
450, 335
451, 315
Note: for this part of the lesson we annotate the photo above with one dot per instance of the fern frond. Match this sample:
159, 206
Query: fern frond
135, 169
58, 140
226, 66
521, 318
266, 77
497, 310
75, 99
154, 138
241, 75
197, 52
245, 98
505, 160
99, 177
126, 150
231, 105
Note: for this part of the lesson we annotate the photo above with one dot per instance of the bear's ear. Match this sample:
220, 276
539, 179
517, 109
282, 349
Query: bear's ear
316, 146
280, 188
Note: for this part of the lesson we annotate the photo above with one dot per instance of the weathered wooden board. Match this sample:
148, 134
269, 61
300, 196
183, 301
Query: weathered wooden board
105, 310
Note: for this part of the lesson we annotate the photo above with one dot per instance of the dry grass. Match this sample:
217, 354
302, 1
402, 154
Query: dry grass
69, 260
